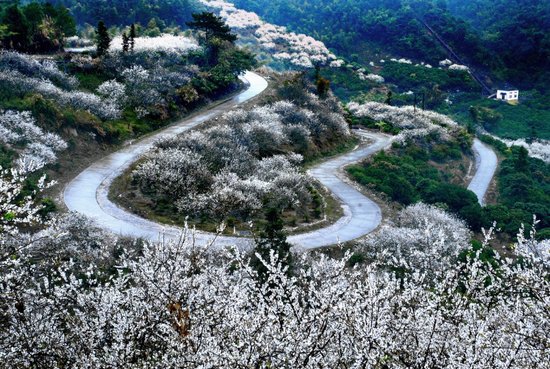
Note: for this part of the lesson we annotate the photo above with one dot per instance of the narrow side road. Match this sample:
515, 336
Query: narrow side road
88, 192
486, 166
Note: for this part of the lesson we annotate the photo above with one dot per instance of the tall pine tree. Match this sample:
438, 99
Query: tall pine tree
125, 43
212, 26
102, 39
271, 238
132, 37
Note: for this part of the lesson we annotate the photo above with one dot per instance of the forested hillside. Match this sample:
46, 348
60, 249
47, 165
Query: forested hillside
518, 31
123, 12
511, 41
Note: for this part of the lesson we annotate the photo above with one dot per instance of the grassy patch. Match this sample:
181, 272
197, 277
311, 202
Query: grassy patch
408, 76
527, 119
345, 83
409, 174
90, 81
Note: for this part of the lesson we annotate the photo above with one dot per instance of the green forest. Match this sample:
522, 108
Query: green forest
510, 40
123, 12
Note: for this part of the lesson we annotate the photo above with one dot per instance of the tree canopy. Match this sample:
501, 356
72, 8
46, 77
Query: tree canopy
35, 27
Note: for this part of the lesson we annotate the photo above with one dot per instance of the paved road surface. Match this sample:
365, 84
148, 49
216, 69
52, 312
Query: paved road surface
87, 193
486, 166
361, 214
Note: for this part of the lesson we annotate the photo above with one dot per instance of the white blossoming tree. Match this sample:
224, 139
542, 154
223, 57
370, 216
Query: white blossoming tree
179, 306
38, 148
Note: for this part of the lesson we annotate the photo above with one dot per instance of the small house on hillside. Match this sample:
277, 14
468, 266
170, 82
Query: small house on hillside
507, 95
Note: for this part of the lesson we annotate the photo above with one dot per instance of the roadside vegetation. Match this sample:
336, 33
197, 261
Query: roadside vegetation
52, 105
505, 42
523, 186
427, 161
427, 164
424, 290
75, 296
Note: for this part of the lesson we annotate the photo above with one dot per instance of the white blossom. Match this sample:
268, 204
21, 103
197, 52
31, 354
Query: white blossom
537, 148
165, 42
459, 67
413, 122
39, 148
298, 50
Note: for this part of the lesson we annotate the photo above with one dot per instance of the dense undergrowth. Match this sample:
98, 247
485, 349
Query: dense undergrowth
523, 190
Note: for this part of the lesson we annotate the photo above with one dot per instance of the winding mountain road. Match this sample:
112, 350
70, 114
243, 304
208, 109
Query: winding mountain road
88, 192
361, 214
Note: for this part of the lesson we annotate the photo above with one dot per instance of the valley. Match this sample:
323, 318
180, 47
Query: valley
255, 184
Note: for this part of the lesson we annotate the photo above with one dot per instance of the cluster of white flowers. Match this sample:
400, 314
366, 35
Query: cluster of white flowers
76, 41
401, 61
425, 65
240, 19
19, 83
19, 130
408, 61
361, 73
459, 67
114, 92
149, 80
537, 148
413, 122
235, 166
176, 306
423, 236
452, 66
165, 42
15, 210
150, 89
297, 49
337, 63
30, 67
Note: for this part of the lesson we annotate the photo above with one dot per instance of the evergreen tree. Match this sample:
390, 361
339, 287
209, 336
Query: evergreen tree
212, 26
132, 37
522, 160
102, 39
323, 86
125, 43
389, 96
273, 238
17, 29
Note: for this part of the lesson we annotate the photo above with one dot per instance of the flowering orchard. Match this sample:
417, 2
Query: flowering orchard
36, 147
298, 50
413, 122
539, 149
164, 42
73, 296
247, 161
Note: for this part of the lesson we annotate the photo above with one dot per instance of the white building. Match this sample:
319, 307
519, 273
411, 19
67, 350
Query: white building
508, 95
